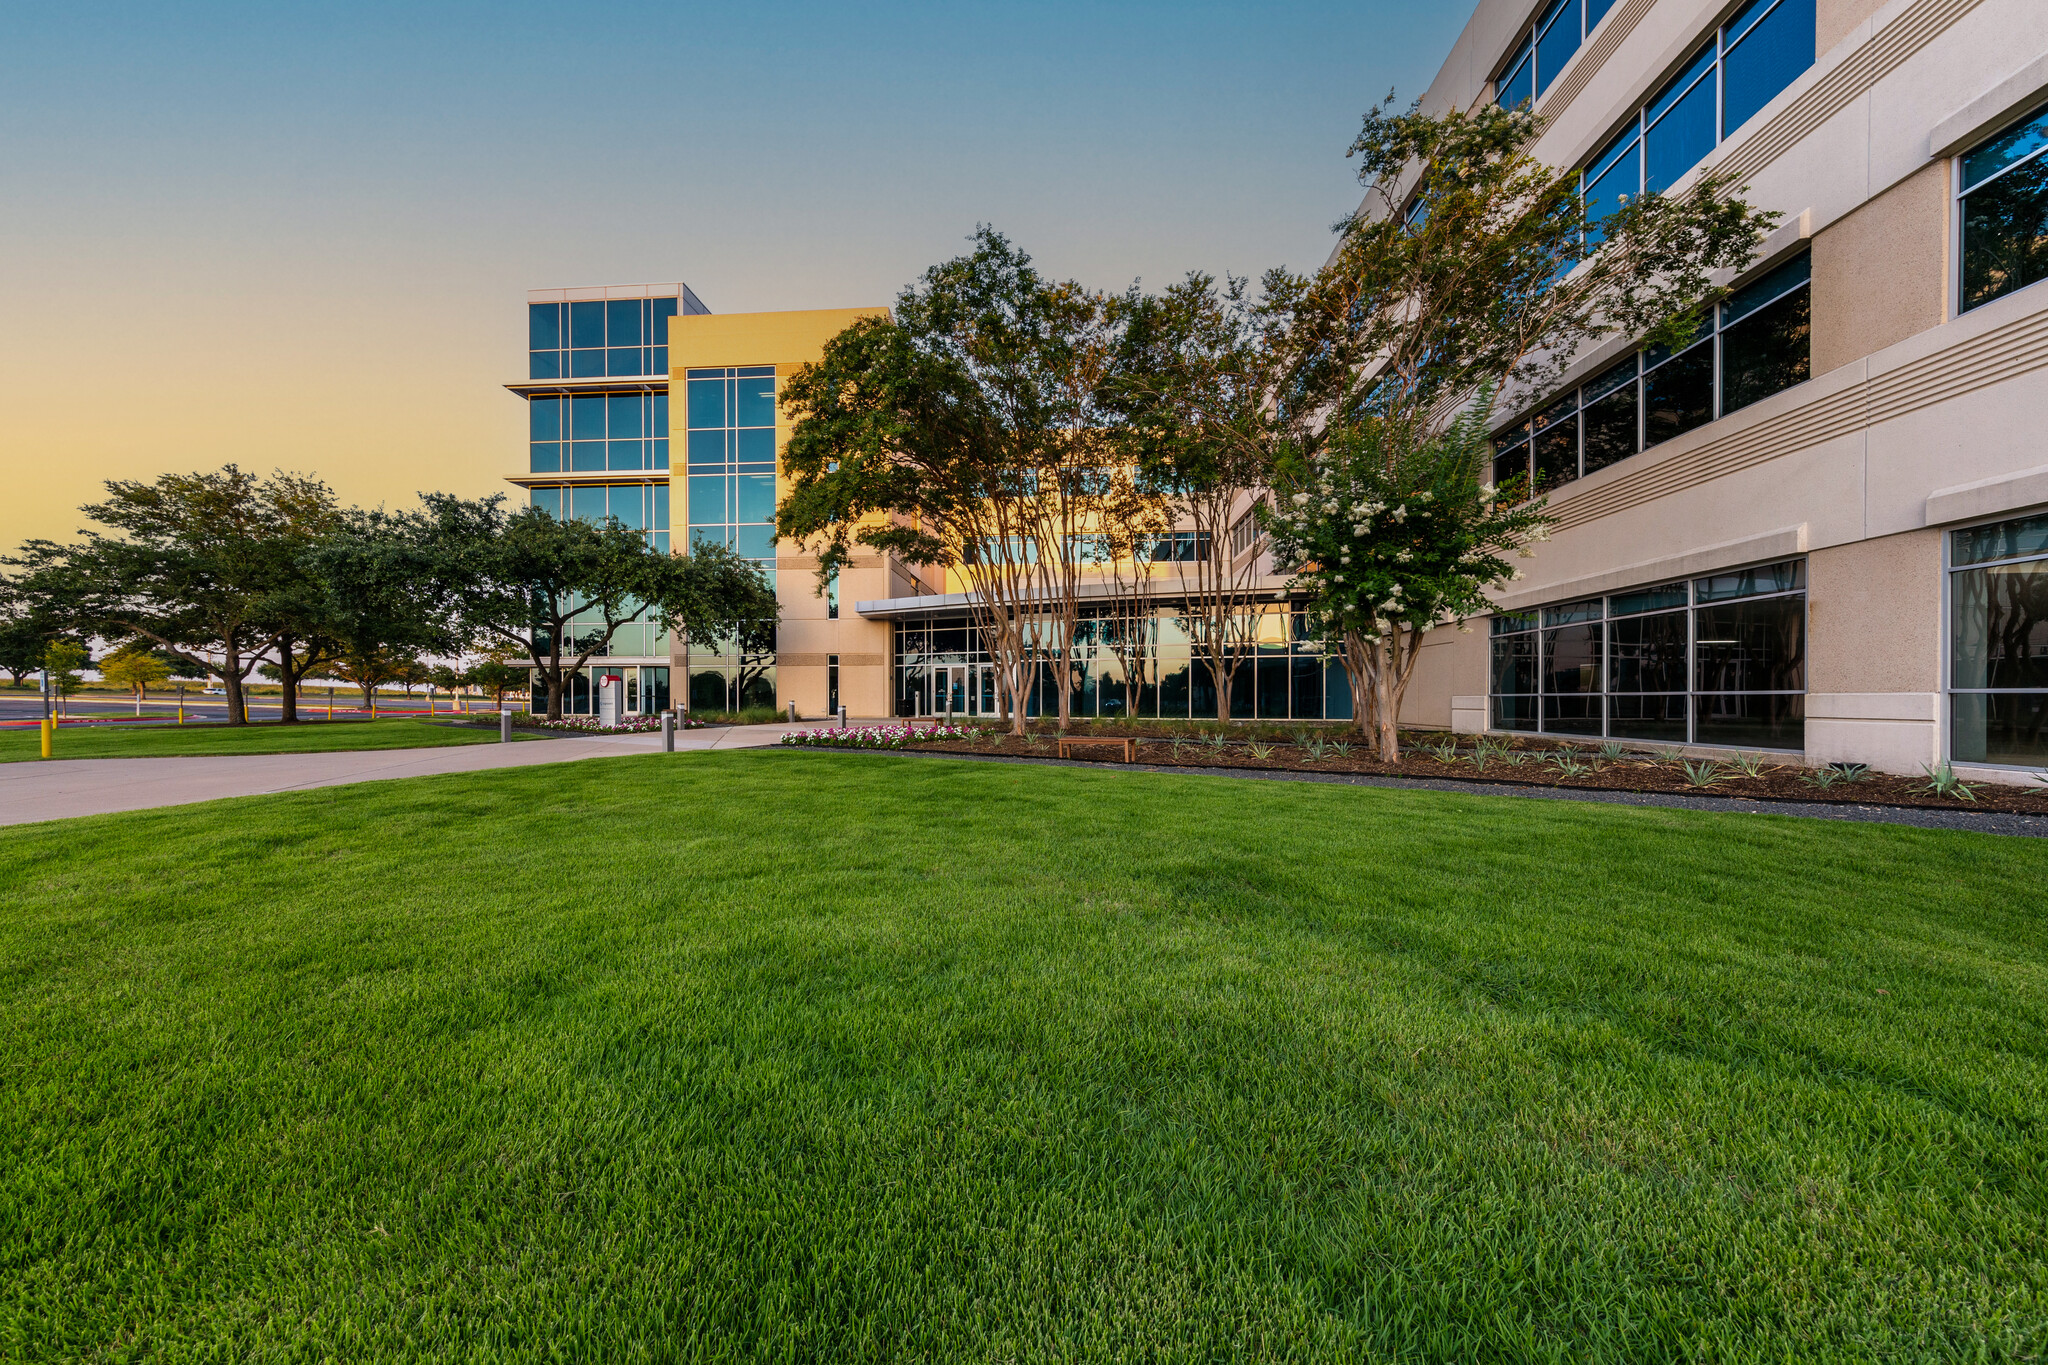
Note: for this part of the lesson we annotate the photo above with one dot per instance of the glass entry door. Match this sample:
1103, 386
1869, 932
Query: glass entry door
953, 693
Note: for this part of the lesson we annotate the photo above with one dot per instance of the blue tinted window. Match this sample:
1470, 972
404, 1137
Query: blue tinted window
587, 503
625, 362
548, 500
707, 402
756, 446
658, 426
587, 420
622, 322
1679, 140
586, 457
1751, 297
663, 310
545, 457
544, 326
544, 419
1596, 10
623, 415
755, 542
707, 447
1557, 42
756, 402
657, 360
754, 497
544, 365
1675, 89
1617, 185
708, 501
1769, 57
661, 507
624, 455
628, 504
1517, 86
1740, 22
586, 324
2005, 149
660, 456
586, 364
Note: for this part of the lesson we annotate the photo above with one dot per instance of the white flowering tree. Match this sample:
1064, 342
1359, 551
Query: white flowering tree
1390, 542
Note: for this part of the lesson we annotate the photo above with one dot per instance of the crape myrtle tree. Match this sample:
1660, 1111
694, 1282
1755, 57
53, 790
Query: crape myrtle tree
136, 666
965, 432
1490, 277
204, 566
1195, 382
522, 580
1391, 544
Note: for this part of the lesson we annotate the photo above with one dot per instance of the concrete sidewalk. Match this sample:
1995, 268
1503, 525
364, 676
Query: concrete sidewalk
64, 788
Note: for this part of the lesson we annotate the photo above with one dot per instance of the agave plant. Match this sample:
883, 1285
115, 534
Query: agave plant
1613, 751
1669, 755
1261, 750
1341, 748
1178, 745
1749, 765
1942, 781
1704, 775
1851, 772
1822, 778
1568, 765
1215, 739
1315, 747
1443, 750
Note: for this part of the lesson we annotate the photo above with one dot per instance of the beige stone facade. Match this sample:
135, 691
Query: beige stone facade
1920, 414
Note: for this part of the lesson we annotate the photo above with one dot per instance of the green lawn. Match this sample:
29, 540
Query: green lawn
261, 737
839, 1058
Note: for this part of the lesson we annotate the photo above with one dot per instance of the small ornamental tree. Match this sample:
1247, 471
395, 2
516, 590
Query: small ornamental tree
136, 667
1389, 544
62, 659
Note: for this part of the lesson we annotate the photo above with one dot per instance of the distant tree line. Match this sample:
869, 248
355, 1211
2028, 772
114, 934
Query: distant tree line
233, 576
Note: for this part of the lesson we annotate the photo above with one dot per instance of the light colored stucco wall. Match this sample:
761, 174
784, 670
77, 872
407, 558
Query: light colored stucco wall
1835, 20
1880, 272
1449, 681
1874, 652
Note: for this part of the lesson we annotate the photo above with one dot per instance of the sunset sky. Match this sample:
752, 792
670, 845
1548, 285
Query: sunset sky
300, 236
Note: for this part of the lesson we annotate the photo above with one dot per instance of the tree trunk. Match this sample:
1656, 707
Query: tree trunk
288, 675
231, 682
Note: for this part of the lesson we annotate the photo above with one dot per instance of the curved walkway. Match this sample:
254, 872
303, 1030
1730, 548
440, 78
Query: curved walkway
63, 788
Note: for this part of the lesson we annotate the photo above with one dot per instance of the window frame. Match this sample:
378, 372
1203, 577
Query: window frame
1538, 627
1959, 193
1945, 722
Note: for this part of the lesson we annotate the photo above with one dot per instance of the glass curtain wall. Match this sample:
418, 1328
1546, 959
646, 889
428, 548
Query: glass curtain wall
1286, 676
589, 433
598, 338
2003, 183
1715, 661
732, 460
731, 493
640, 506
1998, 644
646, 689
1757, 343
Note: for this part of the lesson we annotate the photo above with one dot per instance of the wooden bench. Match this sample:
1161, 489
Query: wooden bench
1129, 746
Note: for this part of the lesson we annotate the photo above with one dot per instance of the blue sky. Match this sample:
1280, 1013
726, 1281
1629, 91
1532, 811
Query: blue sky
309, 230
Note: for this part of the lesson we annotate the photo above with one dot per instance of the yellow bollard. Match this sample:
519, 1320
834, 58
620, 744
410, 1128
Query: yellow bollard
49, 735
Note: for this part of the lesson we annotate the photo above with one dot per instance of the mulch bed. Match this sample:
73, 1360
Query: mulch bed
1638, 772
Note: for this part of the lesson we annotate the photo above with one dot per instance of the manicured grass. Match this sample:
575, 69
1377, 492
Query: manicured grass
838, 1057
261, 737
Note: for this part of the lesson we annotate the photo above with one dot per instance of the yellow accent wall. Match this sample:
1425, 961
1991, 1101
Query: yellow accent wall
807, 638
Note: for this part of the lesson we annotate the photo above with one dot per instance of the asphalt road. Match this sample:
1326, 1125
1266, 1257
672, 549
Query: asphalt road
18, 707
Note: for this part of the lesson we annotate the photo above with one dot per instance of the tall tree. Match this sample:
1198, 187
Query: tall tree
965, 432
1195, 381
1471, 268
24, 634
524, 579
137, 667
197, 564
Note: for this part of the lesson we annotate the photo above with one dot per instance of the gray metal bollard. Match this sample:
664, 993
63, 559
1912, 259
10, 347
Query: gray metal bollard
668, 732
504, 726
842, 718
792, 713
